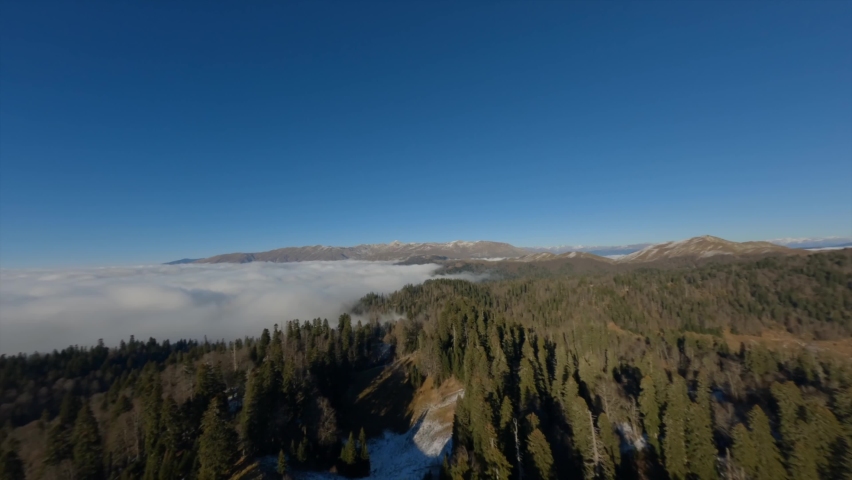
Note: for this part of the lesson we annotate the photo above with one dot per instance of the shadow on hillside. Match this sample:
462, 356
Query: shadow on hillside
379, 401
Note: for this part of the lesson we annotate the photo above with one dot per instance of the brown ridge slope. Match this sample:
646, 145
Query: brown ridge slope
375, 252
704, 247
549, 257
685, 253
694, 249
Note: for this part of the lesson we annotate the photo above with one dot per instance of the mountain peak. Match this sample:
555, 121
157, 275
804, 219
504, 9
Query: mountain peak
702, 247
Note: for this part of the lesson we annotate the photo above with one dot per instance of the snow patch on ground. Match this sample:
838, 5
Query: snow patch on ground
631, 440
713, 253
407, 455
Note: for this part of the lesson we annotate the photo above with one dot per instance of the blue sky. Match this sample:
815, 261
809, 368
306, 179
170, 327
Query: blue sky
137, 133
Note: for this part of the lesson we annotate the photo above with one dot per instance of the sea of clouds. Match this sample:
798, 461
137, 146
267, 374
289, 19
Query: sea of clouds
45, 309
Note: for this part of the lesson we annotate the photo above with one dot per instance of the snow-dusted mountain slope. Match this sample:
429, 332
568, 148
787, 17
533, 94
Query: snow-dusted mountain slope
382, 251
814, 243
702, 247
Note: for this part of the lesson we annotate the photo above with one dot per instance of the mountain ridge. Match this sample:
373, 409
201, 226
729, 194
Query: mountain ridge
394, 251
697, 248
705, 246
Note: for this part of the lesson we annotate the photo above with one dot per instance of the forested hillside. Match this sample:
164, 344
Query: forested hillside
638, 374
807, 295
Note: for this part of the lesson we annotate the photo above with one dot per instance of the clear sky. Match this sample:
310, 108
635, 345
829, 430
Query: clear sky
137, 132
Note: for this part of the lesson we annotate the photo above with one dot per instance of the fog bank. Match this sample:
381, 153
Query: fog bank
45, 309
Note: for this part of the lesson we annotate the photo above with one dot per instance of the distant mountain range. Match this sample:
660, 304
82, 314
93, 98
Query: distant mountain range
693, 249
702, 247
182, 261
619, 250
412, 253
394, 251
814, 243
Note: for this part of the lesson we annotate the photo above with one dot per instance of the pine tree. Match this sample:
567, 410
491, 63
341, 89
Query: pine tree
803, 462
282, 463
275, 354
660, 383
445, 468
768, 465
496, 464
189, 462
543, 362
348, 454
460, 468
701, 449
744, 450
650, 410
611, 444
262, 345
674, 420
170, 435
152, 466
87, 446
59, 446
151, 411
842, 407
562, 368
462, 431
167, 468
302, 451
540, 456
68, 410
578, 417
824, 431
528, 375
209, 382
216, 452
789, 399
345, 328
122, 405
252, 416
362, 440
798, 445
505, 436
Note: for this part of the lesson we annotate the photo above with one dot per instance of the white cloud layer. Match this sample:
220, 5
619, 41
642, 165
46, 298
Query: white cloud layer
45, 309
